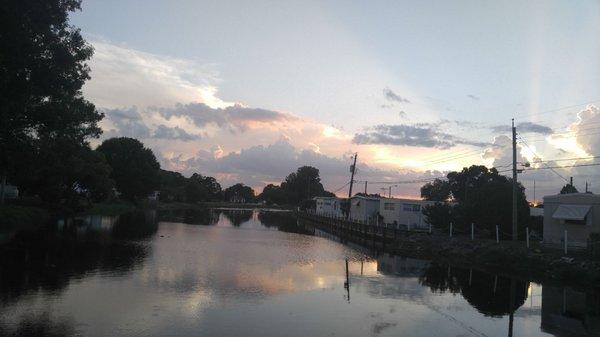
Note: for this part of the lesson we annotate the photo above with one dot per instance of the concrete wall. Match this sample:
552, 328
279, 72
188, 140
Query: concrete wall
554, 229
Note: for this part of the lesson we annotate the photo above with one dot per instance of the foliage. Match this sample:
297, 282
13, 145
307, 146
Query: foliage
437, 190
272, 194
483, 197
568, 189
201, 188
13, 217
439, 214
42, 71
134, 167
303, 184
172, 186
239, 193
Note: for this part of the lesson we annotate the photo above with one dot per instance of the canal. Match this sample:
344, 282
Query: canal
257, 273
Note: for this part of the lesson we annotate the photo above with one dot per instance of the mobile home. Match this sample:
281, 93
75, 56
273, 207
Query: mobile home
364, 209
576, 213
404, 212
328, 206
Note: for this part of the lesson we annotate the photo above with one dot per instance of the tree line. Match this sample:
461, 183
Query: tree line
46, 125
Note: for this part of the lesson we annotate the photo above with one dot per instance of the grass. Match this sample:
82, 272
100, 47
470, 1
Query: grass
114, 208
12, 216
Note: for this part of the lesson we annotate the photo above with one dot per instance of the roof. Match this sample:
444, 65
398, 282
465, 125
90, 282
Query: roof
365, 198
573, 198
571, 212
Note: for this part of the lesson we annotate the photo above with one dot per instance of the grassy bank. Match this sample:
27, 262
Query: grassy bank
15, 217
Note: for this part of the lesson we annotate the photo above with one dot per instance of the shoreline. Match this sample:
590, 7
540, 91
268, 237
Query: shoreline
539, 264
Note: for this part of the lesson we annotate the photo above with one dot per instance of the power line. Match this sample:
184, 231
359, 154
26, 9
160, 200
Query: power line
530, 149
560, 167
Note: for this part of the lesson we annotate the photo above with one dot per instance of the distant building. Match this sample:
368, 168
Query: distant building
11, 191
536, 211
328, 206
577, 213
154, 196
404, 212
364, 209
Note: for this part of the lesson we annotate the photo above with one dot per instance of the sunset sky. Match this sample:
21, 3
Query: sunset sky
250, 90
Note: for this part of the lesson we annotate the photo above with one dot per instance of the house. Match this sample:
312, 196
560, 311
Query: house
328, 206
404, 212
11, 191
364, 209
576, 213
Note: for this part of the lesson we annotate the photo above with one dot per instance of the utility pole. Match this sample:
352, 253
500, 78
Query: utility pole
366, 182
586, 187
352, 170
534, 203
514, 177
571, 181
390, 192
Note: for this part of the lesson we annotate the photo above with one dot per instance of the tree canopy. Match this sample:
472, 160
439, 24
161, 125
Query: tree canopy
483, 197
239, 193
45, 122
134, 167
201, 188
568, 189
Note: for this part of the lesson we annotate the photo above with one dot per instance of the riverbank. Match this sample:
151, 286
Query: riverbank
514, 259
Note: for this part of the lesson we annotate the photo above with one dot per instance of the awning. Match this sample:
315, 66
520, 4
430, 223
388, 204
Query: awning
571, 212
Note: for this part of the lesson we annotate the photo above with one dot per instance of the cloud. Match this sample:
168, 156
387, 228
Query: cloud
125, 123
473, 97
234, 118
126, 77
420, 135
525, 127
588, 138
259, 165
393, 97
173, 133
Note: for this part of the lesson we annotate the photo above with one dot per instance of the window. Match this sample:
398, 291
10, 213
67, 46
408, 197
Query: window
411, 207
388, 206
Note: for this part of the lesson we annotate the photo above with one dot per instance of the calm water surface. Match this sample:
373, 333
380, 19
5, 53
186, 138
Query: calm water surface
250, 273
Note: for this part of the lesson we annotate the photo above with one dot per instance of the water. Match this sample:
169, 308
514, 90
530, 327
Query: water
249, 273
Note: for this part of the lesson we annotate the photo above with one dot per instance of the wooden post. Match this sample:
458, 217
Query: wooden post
527, 236
566, 244
451, 229
472, 231
429, 228
497, 237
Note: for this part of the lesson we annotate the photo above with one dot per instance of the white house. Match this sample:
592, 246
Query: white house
364, 209
577, 213
328, 206
404, 212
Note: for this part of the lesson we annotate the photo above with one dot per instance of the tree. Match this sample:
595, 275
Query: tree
303, 184
239, 193
42, 71
272, 194
437, 190
568, 189
172, 186
484, 197
201, 188
134, 167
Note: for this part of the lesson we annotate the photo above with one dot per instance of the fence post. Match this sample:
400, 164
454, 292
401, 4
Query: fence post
497, 238
472, 231
566, 249
451, 229
527, 235
429, 228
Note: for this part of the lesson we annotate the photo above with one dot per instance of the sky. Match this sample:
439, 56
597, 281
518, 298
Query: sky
247, 91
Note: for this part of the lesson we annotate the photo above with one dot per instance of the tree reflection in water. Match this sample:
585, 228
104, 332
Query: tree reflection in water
283, 221
47, 259
195, 216
39, 326
489, 294
237, 216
